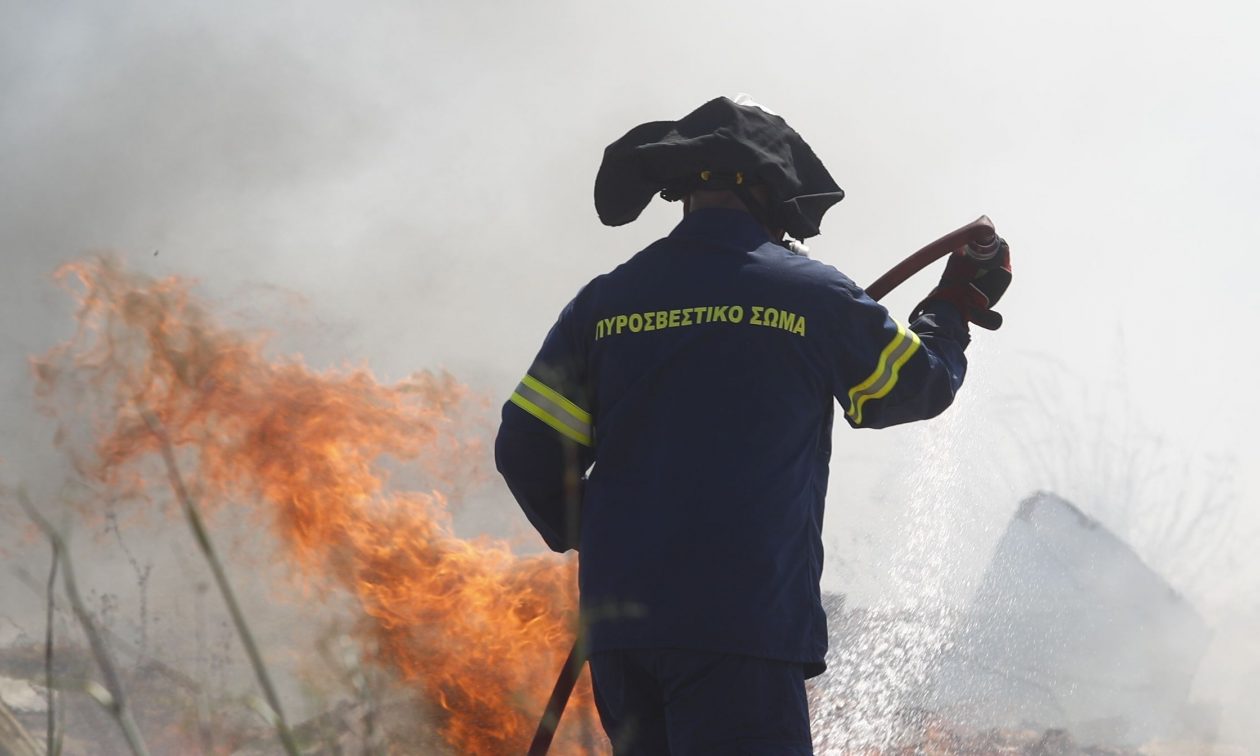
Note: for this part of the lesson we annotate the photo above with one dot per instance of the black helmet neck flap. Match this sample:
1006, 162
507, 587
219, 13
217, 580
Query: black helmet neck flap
720, 145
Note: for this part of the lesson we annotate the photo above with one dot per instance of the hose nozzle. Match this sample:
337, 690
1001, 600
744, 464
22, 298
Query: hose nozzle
982, 251
984, 247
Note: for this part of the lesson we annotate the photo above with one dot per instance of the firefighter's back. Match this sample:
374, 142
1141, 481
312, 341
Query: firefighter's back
702, 516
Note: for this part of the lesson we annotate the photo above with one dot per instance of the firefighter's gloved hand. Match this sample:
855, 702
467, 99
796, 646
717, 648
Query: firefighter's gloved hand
974, 286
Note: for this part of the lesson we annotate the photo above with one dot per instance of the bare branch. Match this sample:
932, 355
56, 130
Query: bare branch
193, 514
51, 603
117, 701
14, 739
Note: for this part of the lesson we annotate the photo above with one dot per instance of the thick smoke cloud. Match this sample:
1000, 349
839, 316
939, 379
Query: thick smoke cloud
407, 185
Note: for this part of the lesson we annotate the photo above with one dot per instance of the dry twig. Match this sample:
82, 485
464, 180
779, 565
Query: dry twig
118, 643
114, 701
53, 741
193, 514
14, 739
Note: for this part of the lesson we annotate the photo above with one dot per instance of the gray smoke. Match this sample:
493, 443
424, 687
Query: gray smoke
407, 186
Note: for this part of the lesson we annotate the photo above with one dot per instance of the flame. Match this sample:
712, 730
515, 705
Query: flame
477, 630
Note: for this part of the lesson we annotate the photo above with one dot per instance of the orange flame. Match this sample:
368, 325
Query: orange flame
477, 629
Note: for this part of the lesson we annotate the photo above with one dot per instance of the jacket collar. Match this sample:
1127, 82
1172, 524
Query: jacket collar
722, 225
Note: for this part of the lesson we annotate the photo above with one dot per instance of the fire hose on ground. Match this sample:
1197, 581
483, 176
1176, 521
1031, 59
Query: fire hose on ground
977, 240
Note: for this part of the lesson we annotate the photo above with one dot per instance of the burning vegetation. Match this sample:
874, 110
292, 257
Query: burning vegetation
467, 624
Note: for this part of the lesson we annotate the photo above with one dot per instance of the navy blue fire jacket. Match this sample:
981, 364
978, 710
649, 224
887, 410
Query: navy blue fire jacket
675, 428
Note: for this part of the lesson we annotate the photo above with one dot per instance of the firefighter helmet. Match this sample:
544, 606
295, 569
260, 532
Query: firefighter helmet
723, 144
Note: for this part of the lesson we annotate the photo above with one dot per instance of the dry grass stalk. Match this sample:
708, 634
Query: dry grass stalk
53, 739
115, 703
14, 739
116, 642
195, 522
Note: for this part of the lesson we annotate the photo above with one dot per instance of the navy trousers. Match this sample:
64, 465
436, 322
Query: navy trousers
695, 703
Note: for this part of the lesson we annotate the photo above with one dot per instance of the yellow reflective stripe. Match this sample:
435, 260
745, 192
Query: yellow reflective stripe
899, 351
555, 396
881, 368
552, 408
543, 415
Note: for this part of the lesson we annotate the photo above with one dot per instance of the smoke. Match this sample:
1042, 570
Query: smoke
408, 186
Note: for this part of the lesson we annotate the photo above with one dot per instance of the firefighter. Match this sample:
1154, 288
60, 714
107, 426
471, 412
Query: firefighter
675, 429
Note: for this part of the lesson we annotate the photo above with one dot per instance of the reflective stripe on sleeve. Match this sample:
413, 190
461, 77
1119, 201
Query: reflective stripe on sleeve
879, 383
548, 405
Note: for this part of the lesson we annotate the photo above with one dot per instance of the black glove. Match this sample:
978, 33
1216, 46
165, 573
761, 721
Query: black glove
975, 285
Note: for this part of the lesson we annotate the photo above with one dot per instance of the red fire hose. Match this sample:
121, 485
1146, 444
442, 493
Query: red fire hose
976, 234
975, 237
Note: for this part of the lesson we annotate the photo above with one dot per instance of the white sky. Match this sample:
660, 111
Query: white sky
419, 176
